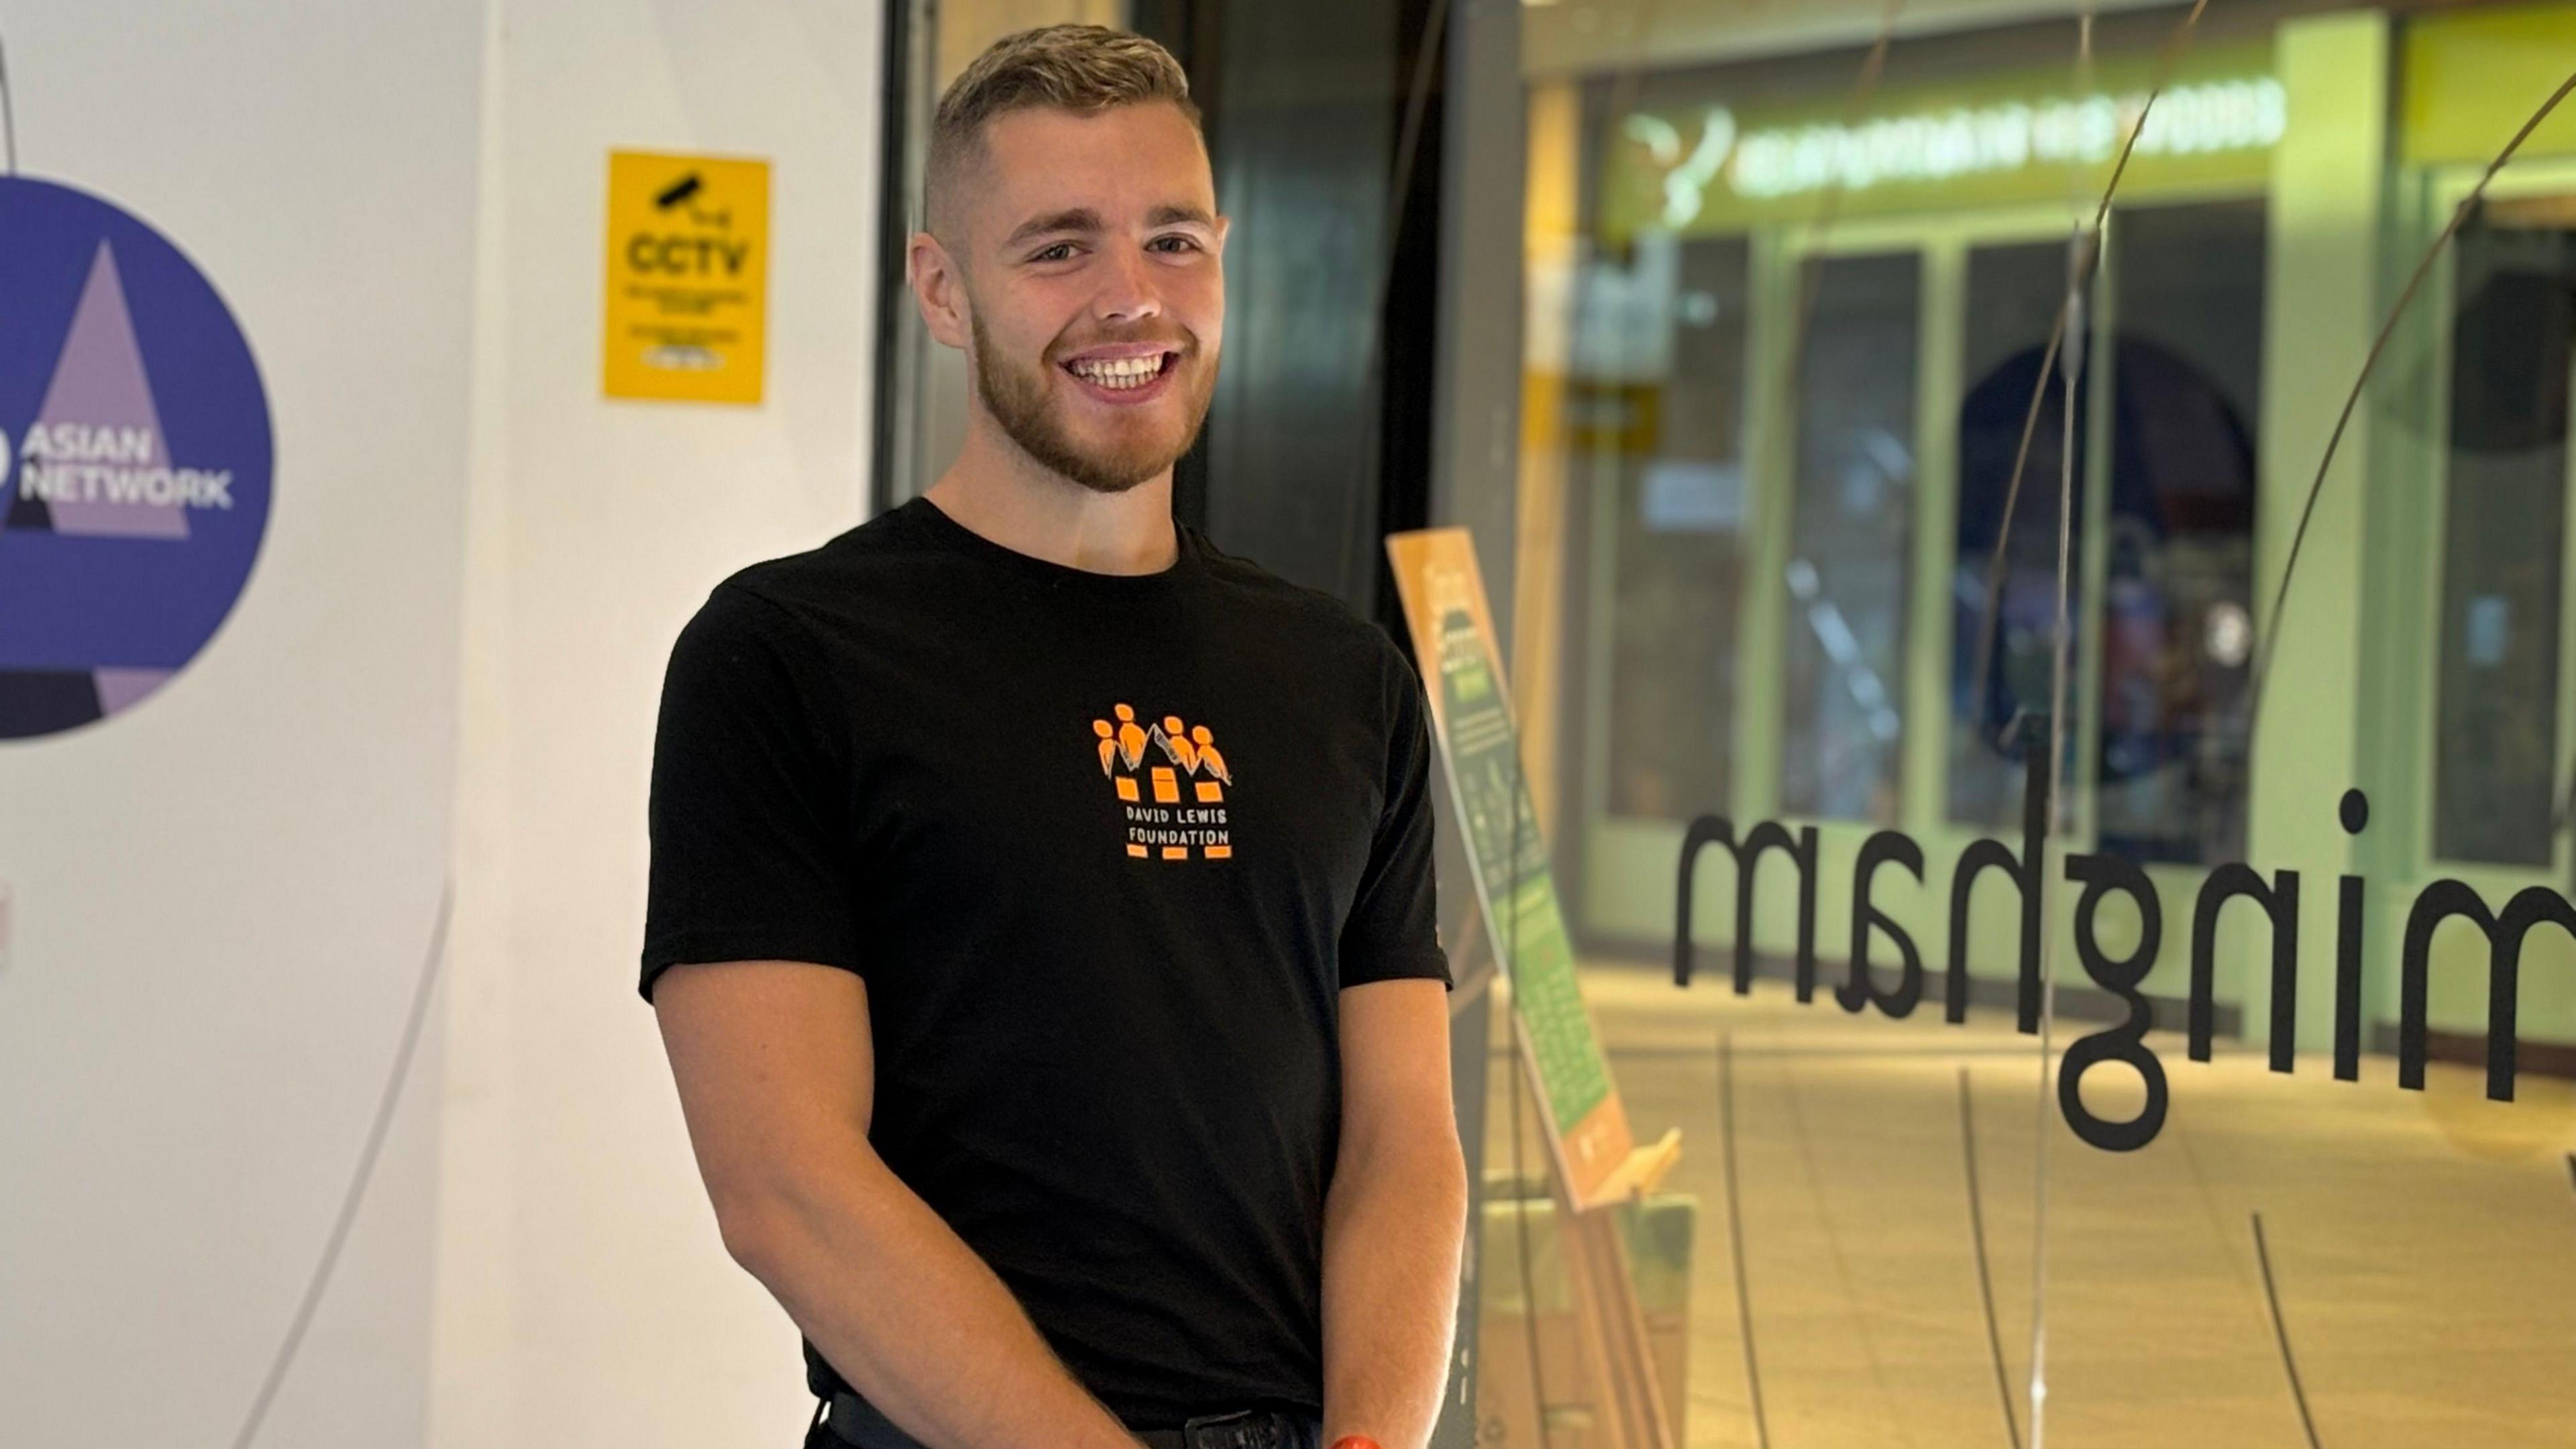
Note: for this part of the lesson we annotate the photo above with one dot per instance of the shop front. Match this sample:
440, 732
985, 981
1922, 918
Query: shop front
1793, 365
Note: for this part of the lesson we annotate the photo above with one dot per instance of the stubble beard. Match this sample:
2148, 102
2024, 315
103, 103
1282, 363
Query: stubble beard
1016, 397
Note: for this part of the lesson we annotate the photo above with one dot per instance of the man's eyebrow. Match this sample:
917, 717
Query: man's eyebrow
1171, 215
1079, 218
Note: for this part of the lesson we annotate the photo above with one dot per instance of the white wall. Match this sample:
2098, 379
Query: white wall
584, 1298
225, 894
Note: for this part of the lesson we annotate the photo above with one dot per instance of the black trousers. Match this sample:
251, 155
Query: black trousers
855, 1424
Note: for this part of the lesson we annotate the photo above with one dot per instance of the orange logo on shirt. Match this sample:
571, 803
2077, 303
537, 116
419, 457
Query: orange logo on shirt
1148, 765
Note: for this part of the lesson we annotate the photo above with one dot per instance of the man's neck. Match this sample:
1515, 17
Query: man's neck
996, 489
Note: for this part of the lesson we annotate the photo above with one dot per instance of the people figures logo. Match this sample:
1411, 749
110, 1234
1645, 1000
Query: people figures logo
135, 458
1149, 764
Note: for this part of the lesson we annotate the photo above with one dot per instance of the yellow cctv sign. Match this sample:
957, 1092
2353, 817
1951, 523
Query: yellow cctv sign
688, 277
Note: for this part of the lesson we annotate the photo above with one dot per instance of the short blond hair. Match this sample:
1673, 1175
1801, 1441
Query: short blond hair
1080, 68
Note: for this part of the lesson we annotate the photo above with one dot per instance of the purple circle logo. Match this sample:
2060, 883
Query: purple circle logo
135, 456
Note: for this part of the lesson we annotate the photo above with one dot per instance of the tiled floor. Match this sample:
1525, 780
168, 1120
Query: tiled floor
2423, 1245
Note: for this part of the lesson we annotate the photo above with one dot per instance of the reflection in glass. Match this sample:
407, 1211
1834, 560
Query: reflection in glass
1852, 511
2014, 292
2177, 630
1862, 1269
2503, 521
1676, 573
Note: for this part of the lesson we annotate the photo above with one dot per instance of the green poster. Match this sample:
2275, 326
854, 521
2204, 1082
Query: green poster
1510, 859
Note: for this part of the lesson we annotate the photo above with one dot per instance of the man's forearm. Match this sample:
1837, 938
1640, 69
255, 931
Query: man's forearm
1394, 1225
916, 1322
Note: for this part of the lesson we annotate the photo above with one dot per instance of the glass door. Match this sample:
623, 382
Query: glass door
1854, 474
2500, 721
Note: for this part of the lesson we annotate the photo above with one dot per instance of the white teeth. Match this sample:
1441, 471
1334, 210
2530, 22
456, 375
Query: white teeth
1120, 373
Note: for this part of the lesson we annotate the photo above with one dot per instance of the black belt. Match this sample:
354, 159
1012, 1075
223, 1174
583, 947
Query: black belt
1242, 1429
857, 1422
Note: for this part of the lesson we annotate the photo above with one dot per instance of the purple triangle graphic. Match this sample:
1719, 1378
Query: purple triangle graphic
118, 688
113, 432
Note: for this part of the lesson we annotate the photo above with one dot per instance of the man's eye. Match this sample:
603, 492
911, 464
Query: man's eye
1180, 243
1061, 251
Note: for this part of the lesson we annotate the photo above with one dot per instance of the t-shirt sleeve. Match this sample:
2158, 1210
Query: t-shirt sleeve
1393, 930
751, 860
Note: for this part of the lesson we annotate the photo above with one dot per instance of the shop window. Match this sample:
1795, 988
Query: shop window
1676, 574
1852, 512
2184, 372
2177, 632
2014, 292
2504, 517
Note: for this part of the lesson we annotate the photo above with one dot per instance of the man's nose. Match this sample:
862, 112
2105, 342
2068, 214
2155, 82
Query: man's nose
1127, 292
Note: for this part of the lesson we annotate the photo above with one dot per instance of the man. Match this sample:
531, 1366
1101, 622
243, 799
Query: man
1041, 921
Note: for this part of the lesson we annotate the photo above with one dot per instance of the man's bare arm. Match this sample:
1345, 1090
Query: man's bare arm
1395, 1219
776, 1077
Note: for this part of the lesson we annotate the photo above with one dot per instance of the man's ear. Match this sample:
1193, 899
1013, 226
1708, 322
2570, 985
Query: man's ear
938, 289
1224, 224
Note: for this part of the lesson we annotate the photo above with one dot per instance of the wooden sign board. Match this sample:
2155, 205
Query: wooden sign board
1453, 637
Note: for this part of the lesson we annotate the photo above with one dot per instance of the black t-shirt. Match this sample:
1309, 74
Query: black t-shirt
1105, 849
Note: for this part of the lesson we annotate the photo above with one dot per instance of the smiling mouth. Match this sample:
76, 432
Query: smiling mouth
1121, 374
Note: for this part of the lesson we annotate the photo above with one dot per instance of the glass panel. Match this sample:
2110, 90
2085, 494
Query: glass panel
2496, 753
2222, 1183
2014, 293
1850, 537
1678, 558
2177, 626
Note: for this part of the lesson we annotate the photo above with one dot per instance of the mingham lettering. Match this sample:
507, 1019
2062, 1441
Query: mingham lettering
2275, 899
